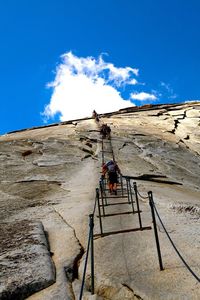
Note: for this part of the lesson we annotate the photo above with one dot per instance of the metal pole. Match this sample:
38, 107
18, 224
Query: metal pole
131, 195
151, 203
137, 203
127, 190
92, 251
85, 266
121, 179
99, 210
102, 197
104, 190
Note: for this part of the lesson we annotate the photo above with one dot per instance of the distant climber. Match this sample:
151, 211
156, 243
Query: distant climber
112, 169
95, 116
108, 131
102, 130
105, 131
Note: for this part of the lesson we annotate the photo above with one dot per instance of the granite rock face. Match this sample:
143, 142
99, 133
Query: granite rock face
49, 176
25, 262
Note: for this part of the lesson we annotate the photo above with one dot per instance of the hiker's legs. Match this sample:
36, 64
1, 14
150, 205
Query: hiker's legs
110, 187
113, 182
115, 186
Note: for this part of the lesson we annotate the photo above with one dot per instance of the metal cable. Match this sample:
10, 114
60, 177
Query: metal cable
85, 267
180, 256
142, 196
90, 231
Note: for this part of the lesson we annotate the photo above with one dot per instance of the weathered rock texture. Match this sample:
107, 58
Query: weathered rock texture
49, 175
25, 262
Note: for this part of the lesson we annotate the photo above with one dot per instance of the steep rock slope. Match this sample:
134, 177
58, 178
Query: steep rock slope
49, 175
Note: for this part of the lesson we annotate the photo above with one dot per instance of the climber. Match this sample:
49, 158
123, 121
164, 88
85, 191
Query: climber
112, 169
95, 116
108, 131
105, 131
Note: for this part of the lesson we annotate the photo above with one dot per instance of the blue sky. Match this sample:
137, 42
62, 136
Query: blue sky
160, 39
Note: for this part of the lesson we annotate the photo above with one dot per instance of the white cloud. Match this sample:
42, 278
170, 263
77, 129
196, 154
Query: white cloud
133, 81
143, 96
121, 75
167, 88
77, 96
84, 84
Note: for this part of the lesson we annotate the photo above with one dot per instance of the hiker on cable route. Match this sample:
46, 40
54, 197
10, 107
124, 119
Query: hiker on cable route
105, 131
112, 169
108, 131
95, 116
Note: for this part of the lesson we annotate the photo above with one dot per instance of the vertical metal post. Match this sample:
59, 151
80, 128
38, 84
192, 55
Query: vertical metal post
127, 190
95, 204
131, 195
85, 266
99, 210
137, 203
151, 203
102, 197
104, 191
122, 187
92, 251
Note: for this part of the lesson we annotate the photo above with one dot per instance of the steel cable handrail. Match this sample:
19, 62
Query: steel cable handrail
143, 197
175, 248
85, 266
90, 236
